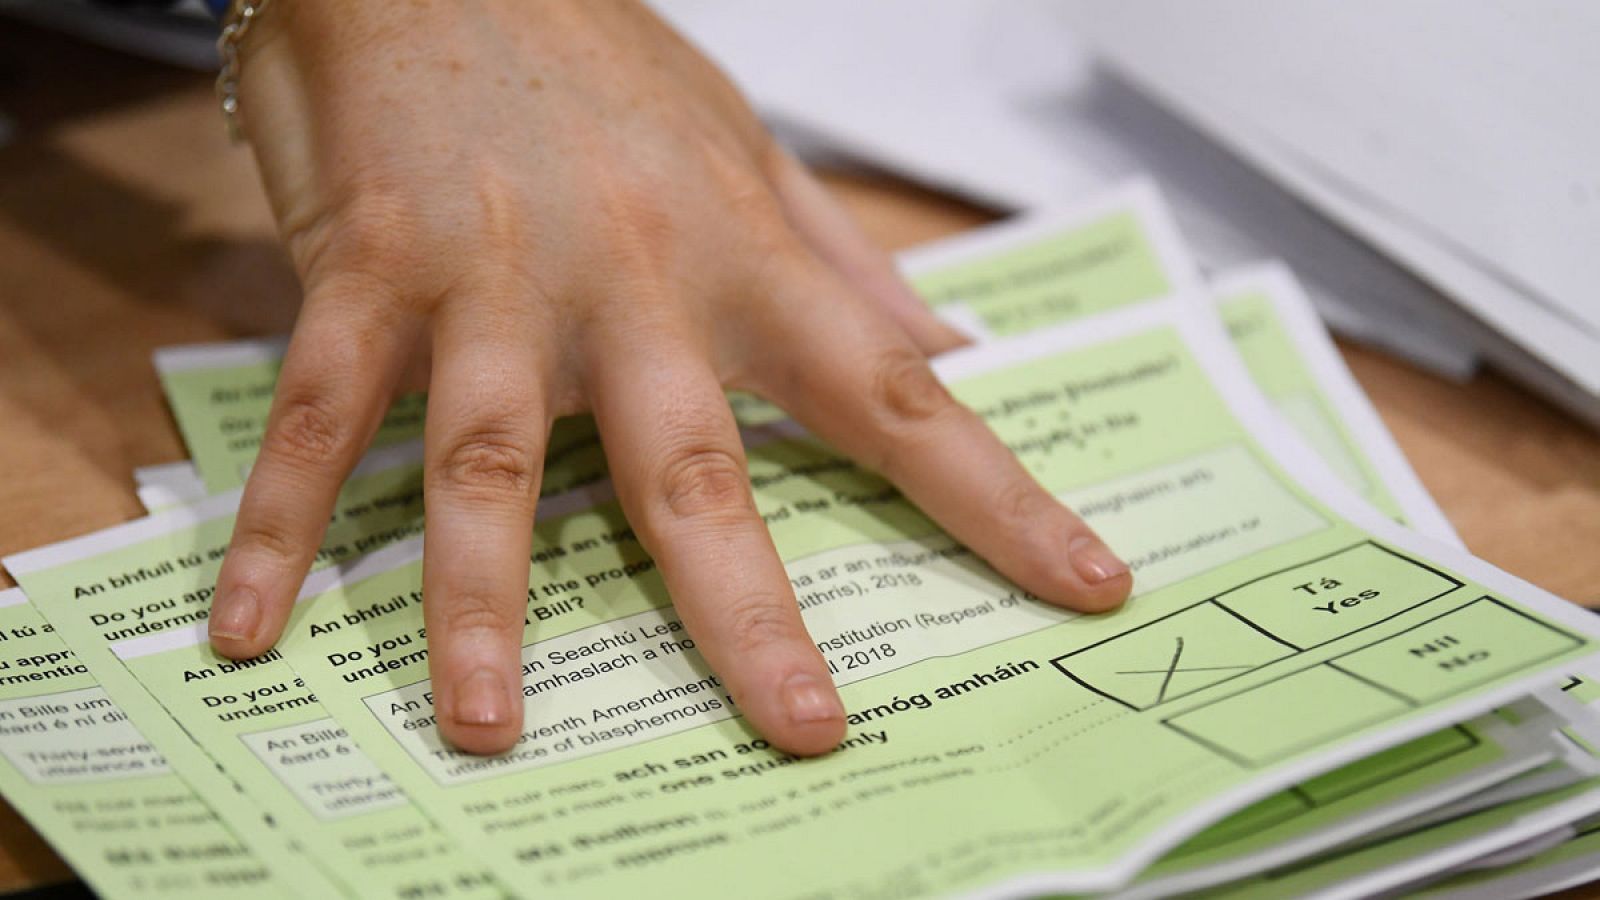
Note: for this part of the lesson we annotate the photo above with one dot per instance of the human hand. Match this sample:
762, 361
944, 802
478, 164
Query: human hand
572, 210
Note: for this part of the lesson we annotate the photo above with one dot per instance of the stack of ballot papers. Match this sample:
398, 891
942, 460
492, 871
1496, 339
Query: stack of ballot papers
1425, 168
1005, 105
1314, 691
1459, 139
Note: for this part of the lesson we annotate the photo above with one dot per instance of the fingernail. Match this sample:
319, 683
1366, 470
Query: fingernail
810, 699
954, 338
481, 699
236, 615
1093, 561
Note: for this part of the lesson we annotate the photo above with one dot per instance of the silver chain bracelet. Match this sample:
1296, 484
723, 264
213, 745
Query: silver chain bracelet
242, 14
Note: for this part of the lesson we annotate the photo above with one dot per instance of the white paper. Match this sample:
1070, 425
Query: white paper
1470, 128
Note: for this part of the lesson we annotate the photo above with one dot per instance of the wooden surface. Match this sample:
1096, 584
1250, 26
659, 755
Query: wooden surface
127, 222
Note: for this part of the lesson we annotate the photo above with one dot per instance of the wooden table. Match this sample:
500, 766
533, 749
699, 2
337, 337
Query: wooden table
127, 222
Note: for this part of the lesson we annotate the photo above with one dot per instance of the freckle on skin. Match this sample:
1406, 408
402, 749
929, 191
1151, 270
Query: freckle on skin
535, 83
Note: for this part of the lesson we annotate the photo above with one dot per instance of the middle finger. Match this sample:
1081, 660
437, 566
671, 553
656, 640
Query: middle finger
486, 431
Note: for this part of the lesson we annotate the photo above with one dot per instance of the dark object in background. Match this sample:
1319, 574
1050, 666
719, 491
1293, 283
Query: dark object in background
176, 32
138, 4
68, 890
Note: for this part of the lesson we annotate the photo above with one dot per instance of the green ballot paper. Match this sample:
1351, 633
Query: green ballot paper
1567, 852
1042, 269
295, 763
1070, 234
220, 395
255, 723
1045, 268
1113, 251
1569, 864
1295, 364
1278, 630
1048, 268
96, 787
1549, 822
1383, 791
156, 576
1367, 869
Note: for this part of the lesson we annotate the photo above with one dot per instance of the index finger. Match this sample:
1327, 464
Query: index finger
333, 390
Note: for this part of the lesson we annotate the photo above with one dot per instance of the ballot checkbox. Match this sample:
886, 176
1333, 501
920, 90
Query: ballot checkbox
1262, 724
1171, 657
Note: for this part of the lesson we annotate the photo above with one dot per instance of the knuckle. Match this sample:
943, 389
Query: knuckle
777, 258
478, 612
371, 227
308, 430
747, 196
488, 461
905, 390
1039, 525
1022, 502
771, 156
700, 480
267, 538
372, 245
760, 621
643, 231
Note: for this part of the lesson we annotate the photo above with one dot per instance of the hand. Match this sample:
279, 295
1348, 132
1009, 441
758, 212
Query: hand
575, 211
